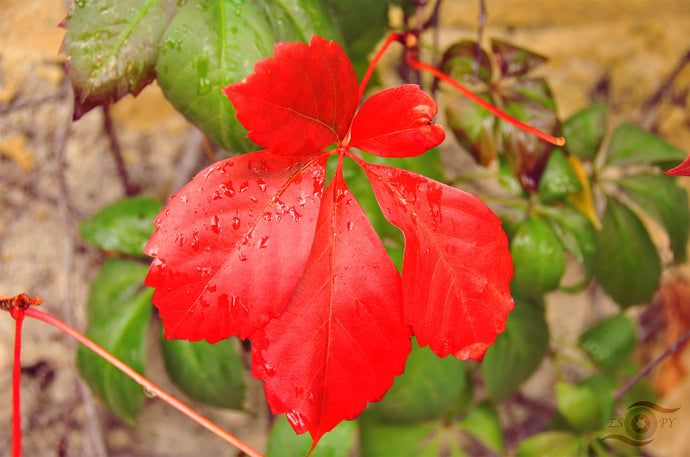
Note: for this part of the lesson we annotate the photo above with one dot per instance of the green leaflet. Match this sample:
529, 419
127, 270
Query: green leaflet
609, 342
585, 130
631, 145
119, 325
124, 226
559, 179
212, 373
623, 247
517, 352
588, 404
112, 48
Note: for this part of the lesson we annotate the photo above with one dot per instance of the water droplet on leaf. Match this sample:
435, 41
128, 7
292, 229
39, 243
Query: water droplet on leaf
235, 222
215, 224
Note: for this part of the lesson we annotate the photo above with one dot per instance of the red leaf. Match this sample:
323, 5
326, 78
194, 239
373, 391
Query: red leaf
232, 244
341, 340
456, 267
396, 122
683, 169
299, 101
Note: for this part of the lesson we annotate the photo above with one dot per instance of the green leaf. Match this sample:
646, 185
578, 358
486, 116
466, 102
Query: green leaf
517, 352
112, 47
626, 264
575, 232
425, 390
552, 444
538, 258
121, 329
211, 373
209, 45
584, 131
588, 404
514, 61
283, 442
298, 20
117, 281
632, 145
399, 440
484, 424
666, 203
124, 226
473, 127
609, 342
559, 179
460, 63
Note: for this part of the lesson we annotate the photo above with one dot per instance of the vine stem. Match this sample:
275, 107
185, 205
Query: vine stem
148, 385
18, 315
372, 66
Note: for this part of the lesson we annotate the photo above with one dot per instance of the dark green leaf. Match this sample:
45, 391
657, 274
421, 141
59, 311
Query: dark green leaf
536, 90
552, 444
209, 45
212, 373
426, 389
473, 127
538, 258
298, 20
584, 131
283, 442
118, 280
124, 226
112, 48
666, 203
465, 59
559, 179
588, 404
627, 264
514, 61
575, 232
609, 342
631, 145
517, 352
484, 424
121, 329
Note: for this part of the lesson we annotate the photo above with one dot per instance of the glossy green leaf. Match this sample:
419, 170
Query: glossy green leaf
124, 226
536, 90
473, 127
121, 329
632, 145
484, 424
513, 60
575, 232
552, 444
584, 131
297, 20
588, 404
209, 45
425, 390
211, 373
517, 352
627, 264
609, 342
666, 203
112, 48
283, 442
538, 258
399, 440
465, 59
559, 179
117, 281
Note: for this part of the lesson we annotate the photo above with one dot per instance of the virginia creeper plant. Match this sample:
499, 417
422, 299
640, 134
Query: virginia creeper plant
353, 275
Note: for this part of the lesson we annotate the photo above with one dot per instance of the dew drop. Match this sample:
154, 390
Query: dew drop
296, 419
227, 189
243, 257
350, 225
244, 186
262, 185
270, 370
235, 222
211, 287
264, 242
215, 224
311, 398
157, 222
149, 393
195, 240
253, 199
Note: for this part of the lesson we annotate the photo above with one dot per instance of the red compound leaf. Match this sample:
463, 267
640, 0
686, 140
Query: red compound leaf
397, 123
456, 267
299, 101
341, 339
232, 244
682, 169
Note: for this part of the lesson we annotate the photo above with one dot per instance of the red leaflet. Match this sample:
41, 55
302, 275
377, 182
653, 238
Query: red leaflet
456, 266
341, 339
682, 169
249, 248
232, 244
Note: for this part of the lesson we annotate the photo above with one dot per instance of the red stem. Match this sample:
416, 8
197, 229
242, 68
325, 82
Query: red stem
372, 66
18, 315
148, 385
411, 61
